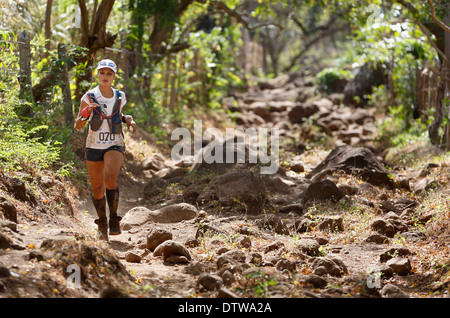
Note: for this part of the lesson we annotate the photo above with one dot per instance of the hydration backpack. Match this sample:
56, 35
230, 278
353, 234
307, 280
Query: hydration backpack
114, 120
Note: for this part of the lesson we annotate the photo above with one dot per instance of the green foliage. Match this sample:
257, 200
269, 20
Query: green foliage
164, 9
399, 129
30, 142
19, 147
329, 77
200, 75
258, 283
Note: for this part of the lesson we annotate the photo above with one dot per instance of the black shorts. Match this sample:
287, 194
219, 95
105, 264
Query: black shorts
92, 154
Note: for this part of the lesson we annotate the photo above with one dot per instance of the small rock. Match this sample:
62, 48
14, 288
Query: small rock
133, 257
401, 266
36, 255
222, 250
332, 265
413, 236
332, 224
320, 270
274, 223
169, 248
112, 292
9, 225
209, 282
155, 162
255, 258
225, 293
177, 259
8, 242
384, 270
227, 277
156, 237
245, 242
4, 271
297, 166
8, 209
316, 281
423, 185
309, 246
323, 190
392, 291
233, 257
295, 208
285, 264
378, 239
273, 246
383, 226
396, 251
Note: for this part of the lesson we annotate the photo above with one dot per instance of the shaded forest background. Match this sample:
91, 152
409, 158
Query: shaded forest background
178, 60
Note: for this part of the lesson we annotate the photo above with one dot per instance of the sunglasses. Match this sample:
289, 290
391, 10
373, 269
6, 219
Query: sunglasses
110, 64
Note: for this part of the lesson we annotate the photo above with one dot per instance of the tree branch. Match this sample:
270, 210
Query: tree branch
436, 20
432, 43
239, 17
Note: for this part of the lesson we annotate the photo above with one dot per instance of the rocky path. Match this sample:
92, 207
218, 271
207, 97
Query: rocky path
328, 223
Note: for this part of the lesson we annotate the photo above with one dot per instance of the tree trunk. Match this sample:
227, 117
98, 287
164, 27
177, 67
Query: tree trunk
444, 83
161, 32
173, 90
447, 78
48, 27
24, 76
65, 86
166, 81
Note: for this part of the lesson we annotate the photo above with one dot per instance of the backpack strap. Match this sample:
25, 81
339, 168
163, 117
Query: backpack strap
98, 109
114, 121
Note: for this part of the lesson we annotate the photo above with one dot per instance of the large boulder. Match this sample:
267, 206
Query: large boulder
361, 85
220, 156
173, 252
239, 187
331, 265
322, 190
8, 209
174, 213
137, 216
354, 160
156, 237
301, 111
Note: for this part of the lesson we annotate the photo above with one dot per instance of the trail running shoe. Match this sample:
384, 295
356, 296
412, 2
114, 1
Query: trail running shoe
114, 225
102, 228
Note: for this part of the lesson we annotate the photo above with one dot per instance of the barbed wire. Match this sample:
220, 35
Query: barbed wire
66, 54
105, 48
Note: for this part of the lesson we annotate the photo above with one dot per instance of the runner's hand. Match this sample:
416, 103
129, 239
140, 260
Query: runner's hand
91, 107
131, 125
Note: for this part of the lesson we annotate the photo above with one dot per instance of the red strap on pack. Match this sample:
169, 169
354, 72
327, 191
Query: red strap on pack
93, 100
85, 112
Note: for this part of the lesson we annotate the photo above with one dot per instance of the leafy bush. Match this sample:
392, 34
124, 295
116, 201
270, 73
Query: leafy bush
330, 78
20, 147
22, 142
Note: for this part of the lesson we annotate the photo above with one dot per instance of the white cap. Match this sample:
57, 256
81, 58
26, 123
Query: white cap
106, 63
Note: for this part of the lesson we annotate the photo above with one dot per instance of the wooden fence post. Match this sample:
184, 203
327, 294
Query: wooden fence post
65, 86
447, 78
24, 76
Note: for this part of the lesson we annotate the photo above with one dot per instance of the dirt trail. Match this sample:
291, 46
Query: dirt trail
172, 280
39, 248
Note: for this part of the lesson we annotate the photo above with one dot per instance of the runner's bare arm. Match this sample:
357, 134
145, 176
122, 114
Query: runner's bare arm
131, 125
80, 123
